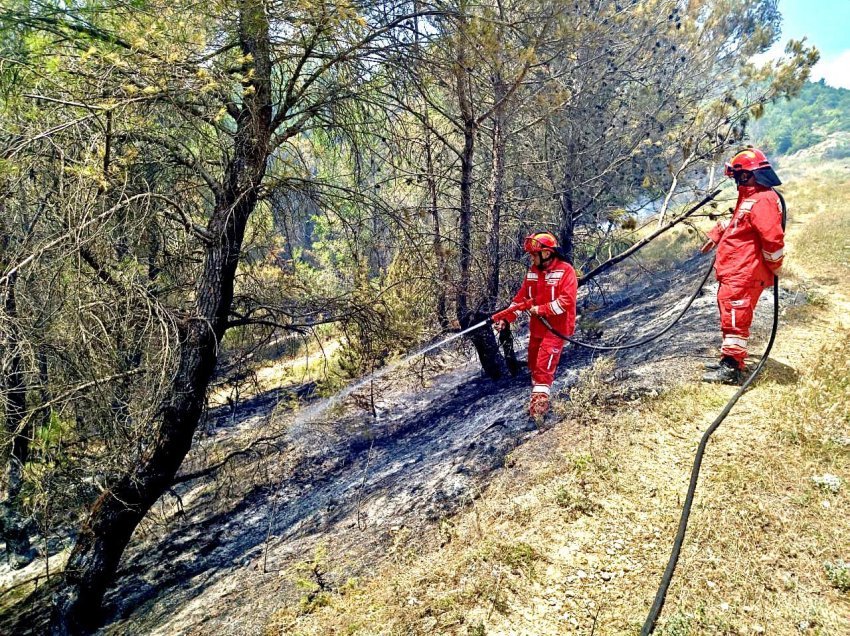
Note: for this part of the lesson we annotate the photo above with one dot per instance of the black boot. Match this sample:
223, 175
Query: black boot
727, 372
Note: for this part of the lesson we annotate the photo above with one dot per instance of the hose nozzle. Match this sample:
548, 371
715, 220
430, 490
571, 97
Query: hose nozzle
509, 313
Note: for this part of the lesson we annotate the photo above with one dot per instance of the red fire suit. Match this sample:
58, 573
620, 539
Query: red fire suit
553, 290
749, 250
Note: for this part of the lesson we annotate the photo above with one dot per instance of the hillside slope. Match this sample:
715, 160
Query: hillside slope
430, 506
318, 502
573, 534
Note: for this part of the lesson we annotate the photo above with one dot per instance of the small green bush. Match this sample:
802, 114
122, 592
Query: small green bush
838, 574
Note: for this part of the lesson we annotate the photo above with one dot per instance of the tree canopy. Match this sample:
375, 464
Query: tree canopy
802, 121
182, 183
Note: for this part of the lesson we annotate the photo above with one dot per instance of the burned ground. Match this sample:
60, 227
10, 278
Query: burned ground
325, 500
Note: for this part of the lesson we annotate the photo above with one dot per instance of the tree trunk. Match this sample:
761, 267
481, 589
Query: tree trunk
558, 160
13, 526
465, 211
116, 513
482, 339
431, 176
497, 188
567, 233
439, 253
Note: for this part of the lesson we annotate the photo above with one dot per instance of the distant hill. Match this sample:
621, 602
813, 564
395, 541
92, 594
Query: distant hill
791, 125
835, 146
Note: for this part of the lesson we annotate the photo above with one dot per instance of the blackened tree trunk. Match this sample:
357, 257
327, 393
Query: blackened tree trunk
442, 285
19, 429
482, 339
567, 225
497, 188
465, 210
116, 513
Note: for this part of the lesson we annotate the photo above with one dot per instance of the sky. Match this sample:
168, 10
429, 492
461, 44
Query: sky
826, 24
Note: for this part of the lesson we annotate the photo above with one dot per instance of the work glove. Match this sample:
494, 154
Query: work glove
510, 313
714, 236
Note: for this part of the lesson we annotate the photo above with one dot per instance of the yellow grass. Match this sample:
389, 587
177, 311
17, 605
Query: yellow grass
572, 536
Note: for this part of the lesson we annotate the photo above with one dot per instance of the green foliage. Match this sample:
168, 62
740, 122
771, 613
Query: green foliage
477, 630
801, 122
838, 574
51, 432
519, 556
678, 625
311, 579
399, 310
575, 501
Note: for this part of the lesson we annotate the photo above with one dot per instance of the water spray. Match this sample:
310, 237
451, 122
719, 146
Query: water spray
316, 409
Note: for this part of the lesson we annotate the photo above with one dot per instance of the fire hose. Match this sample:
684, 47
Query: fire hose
667, 576
631, 345
526, 304
643, 341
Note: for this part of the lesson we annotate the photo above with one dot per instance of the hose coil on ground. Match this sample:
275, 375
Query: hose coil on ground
667, 576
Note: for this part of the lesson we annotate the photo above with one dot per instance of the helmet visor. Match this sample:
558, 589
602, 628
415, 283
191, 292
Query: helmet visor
532, 244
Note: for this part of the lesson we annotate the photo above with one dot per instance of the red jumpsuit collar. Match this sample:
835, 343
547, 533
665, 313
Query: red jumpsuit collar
748, 191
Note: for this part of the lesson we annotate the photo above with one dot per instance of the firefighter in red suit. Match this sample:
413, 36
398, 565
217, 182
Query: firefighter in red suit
749, 251
549, 290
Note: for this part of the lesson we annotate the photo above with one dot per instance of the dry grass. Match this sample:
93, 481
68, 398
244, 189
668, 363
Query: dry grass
311, 362
771, 528
572, 535
818, 214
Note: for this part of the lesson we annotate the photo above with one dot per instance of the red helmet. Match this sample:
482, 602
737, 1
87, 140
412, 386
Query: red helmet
751, 160
539, 241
